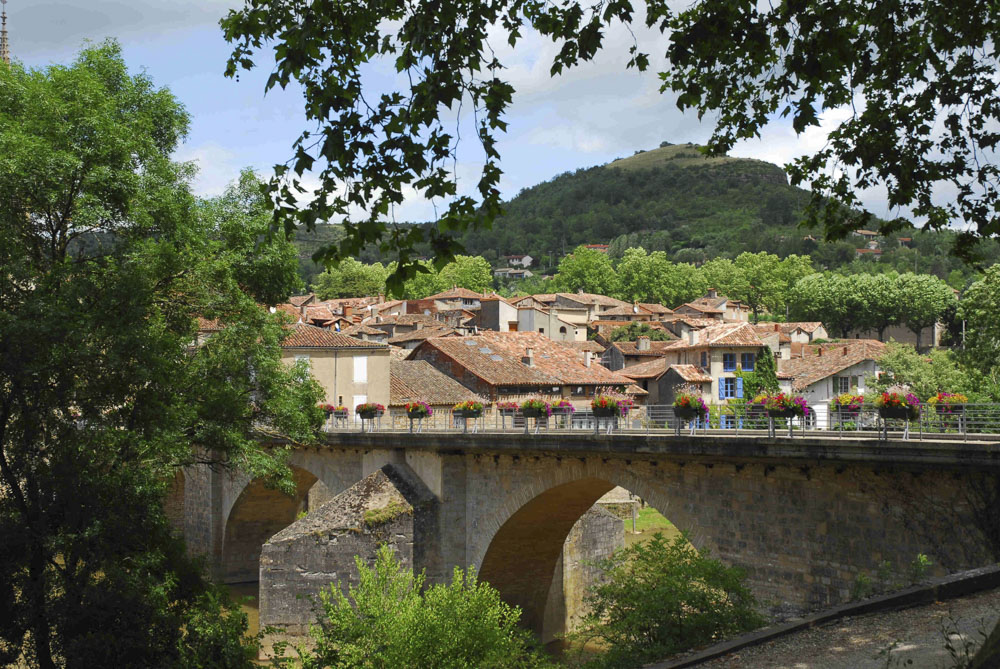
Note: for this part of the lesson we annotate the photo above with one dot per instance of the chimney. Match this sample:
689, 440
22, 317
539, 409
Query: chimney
691, 337
529, 357
777, 327
845, 351
381, 298
642, 343
712, 293
819, 351
586, 358
348, 311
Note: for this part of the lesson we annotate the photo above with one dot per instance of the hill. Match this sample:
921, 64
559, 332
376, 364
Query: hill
672, 199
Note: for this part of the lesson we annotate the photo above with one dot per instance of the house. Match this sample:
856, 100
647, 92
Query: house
351, 371
661, 380
513, 273
713, 305
418, 380
513, 366
821, 372
603, 248
456, 298
397, 325
519, 261
623, 354
366, 333
527, 315
875, 254
414, 338
630, 314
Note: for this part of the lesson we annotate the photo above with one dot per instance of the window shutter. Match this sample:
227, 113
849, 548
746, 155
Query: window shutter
739, 387
722, 388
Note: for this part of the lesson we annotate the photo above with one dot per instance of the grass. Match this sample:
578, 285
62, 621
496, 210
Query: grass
680, 155
648, 522
394, 509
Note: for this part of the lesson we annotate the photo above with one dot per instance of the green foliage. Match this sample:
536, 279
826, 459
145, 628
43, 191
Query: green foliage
381, 516
471, 272
662, 597
393, 619
650, 277
350, 278
633, 331
108, 261
764, 378
979, 308
926, 375
588, 270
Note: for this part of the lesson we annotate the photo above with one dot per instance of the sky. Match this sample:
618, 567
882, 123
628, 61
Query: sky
596, 113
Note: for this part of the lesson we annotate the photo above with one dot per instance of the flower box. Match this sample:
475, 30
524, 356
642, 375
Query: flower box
783, 413
534, 412
340, 415
899, 412
688, 412
417, 410
369, 414
414, 414
606, 412
467, 413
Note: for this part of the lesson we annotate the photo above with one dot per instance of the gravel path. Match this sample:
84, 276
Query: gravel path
879, 640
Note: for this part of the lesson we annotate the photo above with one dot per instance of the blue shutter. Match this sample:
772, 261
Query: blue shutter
722, 388
739, 387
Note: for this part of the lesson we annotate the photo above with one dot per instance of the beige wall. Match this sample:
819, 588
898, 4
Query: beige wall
334, 370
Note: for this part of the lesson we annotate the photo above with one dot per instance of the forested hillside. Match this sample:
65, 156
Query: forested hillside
675, 200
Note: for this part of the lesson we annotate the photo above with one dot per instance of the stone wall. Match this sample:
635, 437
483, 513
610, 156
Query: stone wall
319, 549
594, 537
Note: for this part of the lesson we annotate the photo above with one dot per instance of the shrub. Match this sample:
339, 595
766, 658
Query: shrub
663, 597
390, 619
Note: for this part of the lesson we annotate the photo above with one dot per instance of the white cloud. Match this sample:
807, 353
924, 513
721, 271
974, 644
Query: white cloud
217, 167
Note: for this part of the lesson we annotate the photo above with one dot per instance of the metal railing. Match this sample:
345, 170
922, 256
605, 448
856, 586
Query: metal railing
968, 422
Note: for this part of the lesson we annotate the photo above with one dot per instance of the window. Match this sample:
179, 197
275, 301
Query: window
541, 330
841, 384
730, 387
747, 361
562, 330
361, 369
729, 362
304, 357
727, 422
704, 359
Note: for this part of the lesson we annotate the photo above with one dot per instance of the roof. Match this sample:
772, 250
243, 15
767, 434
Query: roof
703, 308
399, 353
208, 325
805, 326
586, 345
299, 300
356, 330
628, 310
411, 380
495, 357
692, 373
456, 292
631, 348
825, 360
309, 336
421, 334
404, 319
724, 335
650, 369
655, 308
591, 298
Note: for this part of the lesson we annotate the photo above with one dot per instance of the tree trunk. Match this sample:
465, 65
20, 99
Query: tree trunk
881, 333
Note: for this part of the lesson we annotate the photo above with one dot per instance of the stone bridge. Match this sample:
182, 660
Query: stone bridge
803, 516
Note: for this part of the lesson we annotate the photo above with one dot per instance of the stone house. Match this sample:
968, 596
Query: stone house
623, 354
527, 315
822, 372
713, 305
418, 380
661, 380
351, 371
519, 261
513, 366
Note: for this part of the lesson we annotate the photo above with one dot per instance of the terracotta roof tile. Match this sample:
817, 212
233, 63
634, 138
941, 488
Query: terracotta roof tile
631, 348
628, 310
422, 334
495, 357
455, 293
308, 336
655, 308
411, 380
356, 330
692, 373
299, 300
813, 367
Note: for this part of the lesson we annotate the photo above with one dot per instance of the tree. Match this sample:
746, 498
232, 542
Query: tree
825, 297
915, 80
393, 619
981, 347
588, 270
926, 375
662, 597
108, 264
925, 299
650, 277
471, 272
350, 278
634, 330
879, 300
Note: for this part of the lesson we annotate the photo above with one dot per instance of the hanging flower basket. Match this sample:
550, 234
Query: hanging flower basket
416, 410
370, 410
468, 409
563, 408
847, 405
336, 411
507, 408
782, 405
688, 406
898, 405
535, 408
948, 404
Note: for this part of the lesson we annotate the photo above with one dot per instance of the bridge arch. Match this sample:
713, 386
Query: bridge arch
527, 532
258, 513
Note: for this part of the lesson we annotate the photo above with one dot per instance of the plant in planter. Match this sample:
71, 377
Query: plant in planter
468, 409
335, 410
948, 403
535, 408
689, 405
898, 402
782, 405
507, 408
606, 406
415, 410
563, 407
847, 405
369, 410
